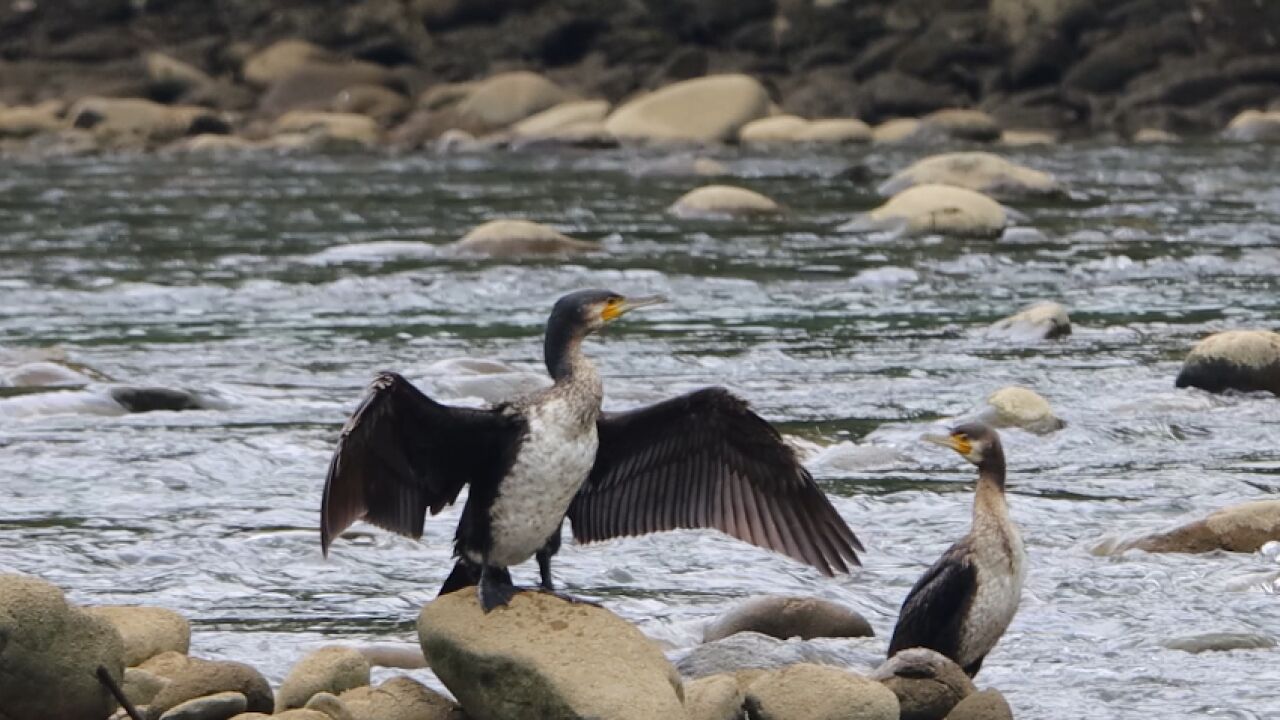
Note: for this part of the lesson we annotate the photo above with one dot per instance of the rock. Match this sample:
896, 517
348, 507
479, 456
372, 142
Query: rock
707, 109
316, 86
1220, 642
1155, 136
716, 697
305, 714
1023, 138
895, 131
171, 78
582, 135
776, 128
167, 665
978, 171
785, 617
214, 144
1238, 528
42, 374
928, 685
342, 128
142, 119
399, 698
380, 103
835, 131
562, 116
153, 399
219, 706
329, 669
753, 651
1016, 20
332, 706
199, 678
407, 657
47, 643
982, 705
281, 59
1254, 126
543, 657
792, 129
24, 121
1014, 406
960, 124
1039, 321
1244, 360
722, 201
940, 209
504, 238
507, 98
140, 686
819, 692
147, 631
439, 97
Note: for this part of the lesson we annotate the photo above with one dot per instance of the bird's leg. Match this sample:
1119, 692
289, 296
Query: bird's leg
551, 547
495, 587
972, 668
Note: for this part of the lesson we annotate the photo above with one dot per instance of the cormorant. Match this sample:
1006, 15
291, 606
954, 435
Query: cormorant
964, 603
701, 460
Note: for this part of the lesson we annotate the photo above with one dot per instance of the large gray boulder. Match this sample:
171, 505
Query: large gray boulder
1245, 360
543, 657
785, 617
147, 631
47, 643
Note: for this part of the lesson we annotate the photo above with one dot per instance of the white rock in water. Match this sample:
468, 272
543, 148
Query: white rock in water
941, 209
503, 238
1244, 360
42, 374
1238, 528
723, 200
1040, 321
982, 172
1014, 406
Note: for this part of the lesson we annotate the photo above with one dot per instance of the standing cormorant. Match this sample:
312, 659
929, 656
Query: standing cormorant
701, 460
964, 603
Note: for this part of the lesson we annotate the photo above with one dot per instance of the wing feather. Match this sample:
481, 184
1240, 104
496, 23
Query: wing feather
933, 614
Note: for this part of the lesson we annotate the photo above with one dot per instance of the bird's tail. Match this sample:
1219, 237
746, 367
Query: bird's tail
467, 574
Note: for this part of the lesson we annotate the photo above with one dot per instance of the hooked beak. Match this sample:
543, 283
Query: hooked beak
618, 309
955, 442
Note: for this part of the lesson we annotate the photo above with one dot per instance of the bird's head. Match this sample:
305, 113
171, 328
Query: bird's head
589, 310
974, 440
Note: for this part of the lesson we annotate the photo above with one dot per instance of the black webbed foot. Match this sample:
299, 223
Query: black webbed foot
495, 588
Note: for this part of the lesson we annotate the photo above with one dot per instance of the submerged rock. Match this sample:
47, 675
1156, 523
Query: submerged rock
978, 171
1244, 360
786, 617
197, 678
147, 631
400, 698
505, 238
707, 109
541, 656
329, 669
1040, 321
819, 692
1220, 642
1016, 406
150, 399
47, 643
1238, 528
927, 684
722, 200
982, 705
716, 697
941, 209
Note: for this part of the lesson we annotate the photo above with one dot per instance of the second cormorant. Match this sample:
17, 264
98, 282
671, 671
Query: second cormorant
701, 460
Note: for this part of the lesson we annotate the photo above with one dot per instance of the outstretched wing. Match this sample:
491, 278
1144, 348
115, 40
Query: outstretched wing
934, 611
705, 460
402, 453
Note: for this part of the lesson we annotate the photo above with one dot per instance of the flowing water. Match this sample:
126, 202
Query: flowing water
276, 287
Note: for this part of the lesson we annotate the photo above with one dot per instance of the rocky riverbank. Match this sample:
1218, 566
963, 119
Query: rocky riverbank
88, 76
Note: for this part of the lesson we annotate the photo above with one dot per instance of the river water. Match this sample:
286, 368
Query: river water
253, 281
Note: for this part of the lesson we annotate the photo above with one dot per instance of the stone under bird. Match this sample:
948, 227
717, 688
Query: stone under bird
700, 460
963, 604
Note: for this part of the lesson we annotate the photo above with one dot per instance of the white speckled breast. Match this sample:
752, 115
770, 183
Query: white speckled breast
1001, 568
552, 464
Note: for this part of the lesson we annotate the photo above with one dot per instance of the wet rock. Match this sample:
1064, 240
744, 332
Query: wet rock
785, 617
134, 118
961, 124
1220, 642
147, 631
1245, 360
281, 59
1014, 406
563, 116
47, 643
773, 129
1238, 528
819, 692
399, 698
753, 651
928, 685
835, 131
329, 669
506, 238
978, 171
716, 697
1039, 321
707, 109
722, 201
150, 399
197, 678
1024, 138
507, 98
42, 374
1155, 136
327, 127
543, 657
141, 686
27, 120
316, 86
940, 209
982, 705
172, 78
380, 103
895, 131
219, 706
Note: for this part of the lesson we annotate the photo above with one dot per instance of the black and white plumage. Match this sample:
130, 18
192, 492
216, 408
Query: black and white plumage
702, 460
966, 600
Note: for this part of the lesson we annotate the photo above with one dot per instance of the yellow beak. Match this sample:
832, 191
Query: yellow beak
955, 442
613, 311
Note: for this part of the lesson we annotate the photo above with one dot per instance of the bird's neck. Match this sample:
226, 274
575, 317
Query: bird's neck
989, 501
562, 351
